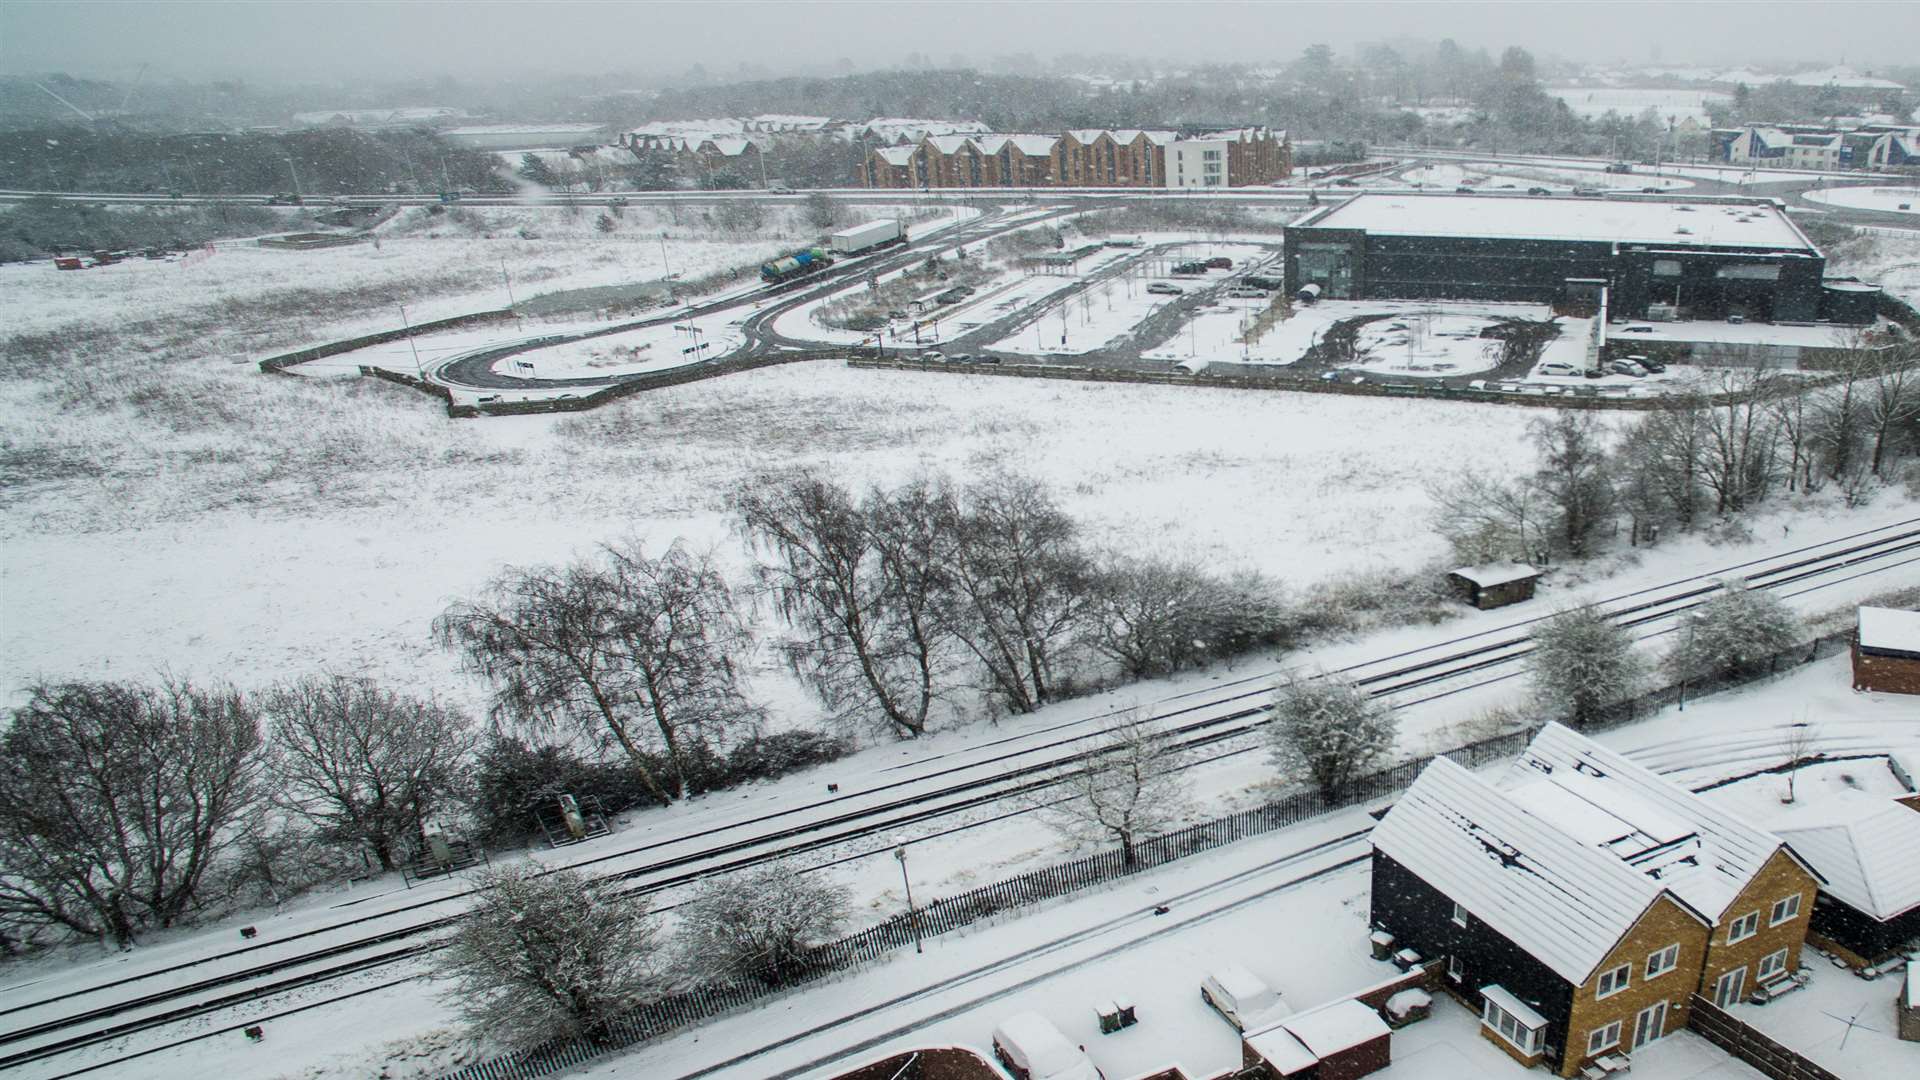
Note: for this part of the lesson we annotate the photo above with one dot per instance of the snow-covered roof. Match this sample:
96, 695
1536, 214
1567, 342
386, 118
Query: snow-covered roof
1033, 145
949, 144
1867, 848
728, 146
1566, 903
1088, 135
1244, 985
1285, 1053
522, 129
1623, 220
1342, 1025
895, 127
1487, 575
1842, 77
378, 116
1642, 820
1047, 1052
1156, 138
1247, 134
897, 155
1890, 630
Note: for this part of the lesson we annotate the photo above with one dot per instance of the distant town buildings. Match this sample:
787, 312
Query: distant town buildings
1127, 158
1808, 146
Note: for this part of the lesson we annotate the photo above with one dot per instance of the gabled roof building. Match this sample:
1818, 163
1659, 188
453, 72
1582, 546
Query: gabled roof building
1579, 900
1868, 850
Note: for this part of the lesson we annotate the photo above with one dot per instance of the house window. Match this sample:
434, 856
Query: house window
1743, 927
1612, 982
1666, 268
1770, 965
1459, 915
1455, 969
1784, 909
1603, 1038
1659, 963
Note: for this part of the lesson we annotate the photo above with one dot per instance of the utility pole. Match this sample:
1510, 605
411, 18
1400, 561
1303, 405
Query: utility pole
507, 281
913, 916
296, 177
418, 371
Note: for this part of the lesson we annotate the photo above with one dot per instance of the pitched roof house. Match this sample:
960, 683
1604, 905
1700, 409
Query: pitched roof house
1581, 900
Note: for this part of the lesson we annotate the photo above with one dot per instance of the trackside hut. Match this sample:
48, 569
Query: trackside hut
1493, 585
1886, 651
1710, 258
1580, 901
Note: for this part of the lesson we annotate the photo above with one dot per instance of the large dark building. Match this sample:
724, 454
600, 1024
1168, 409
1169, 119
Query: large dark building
1708, 258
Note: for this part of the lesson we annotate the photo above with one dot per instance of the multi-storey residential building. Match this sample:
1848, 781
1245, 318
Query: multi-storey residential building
1581, 901
1806, 146
1083, 158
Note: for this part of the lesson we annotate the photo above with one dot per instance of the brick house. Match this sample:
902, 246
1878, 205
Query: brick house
1886, 651
1101, 158
1868, 851
891, 167
1094, 157
1580, 901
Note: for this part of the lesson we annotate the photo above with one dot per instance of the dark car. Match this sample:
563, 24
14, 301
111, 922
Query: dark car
1463, 190
1650, 190
1347, 181
1538, 191
1220, 262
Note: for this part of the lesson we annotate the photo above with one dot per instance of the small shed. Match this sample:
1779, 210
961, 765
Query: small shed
1340, 1041
1493, 585
1886, 651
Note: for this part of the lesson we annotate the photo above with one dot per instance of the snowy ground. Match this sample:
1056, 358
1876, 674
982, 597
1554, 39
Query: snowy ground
1424, 345
1885, 200
1291, 338
1841, 1021
1669, 105
1522, 175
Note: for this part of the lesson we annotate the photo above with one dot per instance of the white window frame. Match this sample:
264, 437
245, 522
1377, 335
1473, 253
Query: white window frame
1601, 989
1774, 963
1455, 969
1660, 1032
1792, 906
1751, 921
1602, 1039
1459, 914
1660, 962
1509, 1028
1726, 979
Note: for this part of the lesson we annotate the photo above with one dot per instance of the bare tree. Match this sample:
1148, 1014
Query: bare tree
1797, 742
362, 764
1582, 663
1667, 445
1154, 615
1574, 477
116, 800
1328, 730
1486, 519
1739, 435
860, 647
1794, 413
1129, 786
822, 211
1022, 584
636, 652
1839, 425
1892, 401
547, 953
758, 923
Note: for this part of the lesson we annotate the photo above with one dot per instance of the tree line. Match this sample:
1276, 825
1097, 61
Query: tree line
1705, 455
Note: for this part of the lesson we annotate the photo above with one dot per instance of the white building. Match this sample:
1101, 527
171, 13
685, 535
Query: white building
1197, 163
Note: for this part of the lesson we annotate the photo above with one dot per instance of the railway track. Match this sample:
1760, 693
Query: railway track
948, 785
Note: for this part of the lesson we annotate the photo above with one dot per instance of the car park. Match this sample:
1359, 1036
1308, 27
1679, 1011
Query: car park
1241, 996
1031, 1048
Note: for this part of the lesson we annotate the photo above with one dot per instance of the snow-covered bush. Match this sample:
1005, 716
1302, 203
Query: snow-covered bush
1155, 616
1582, 662
1128, 789
1328, 731
1732, 632
757, 924
548, 953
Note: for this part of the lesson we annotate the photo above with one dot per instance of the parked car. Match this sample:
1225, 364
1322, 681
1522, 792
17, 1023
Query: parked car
1260, 281
1346, 181
1652, 365
1594, 373
1240, 995
1033, 1049
960, 358
1558, 368
1219, 262
1165, 288
985, 359
933, 356
1190, 268
1247, 294
1627, 367
1589, 191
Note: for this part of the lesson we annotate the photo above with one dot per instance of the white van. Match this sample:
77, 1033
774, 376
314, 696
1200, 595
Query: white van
1242, 997
1033, 1049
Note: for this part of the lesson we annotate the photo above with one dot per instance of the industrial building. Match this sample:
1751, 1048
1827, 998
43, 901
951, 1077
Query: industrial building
1656, 257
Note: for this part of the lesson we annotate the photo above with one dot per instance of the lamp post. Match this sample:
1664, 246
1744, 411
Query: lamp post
417, 369
900, 853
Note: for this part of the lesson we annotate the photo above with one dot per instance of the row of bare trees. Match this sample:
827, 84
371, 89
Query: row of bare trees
127, 807
900, 598
1712, 453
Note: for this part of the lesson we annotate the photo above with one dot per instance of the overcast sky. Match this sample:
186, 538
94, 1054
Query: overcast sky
274, 40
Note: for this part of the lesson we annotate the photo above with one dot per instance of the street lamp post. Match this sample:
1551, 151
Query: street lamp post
415, 349
900, 853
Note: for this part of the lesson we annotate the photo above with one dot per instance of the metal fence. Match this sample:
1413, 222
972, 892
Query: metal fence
1747, 1043
957, 912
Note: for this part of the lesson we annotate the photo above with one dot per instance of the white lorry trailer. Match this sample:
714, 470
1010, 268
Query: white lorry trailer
866, 237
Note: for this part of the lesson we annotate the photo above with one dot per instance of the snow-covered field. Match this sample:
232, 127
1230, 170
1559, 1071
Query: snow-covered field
1886, 200
1521, 175
1672, 105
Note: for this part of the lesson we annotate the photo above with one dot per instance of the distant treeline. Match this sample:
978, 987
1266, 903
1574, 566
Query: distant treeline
47, 226
321, 162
